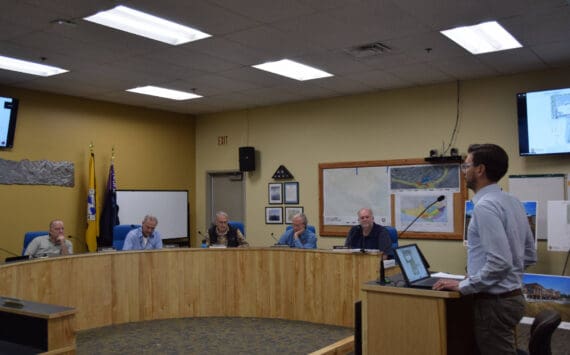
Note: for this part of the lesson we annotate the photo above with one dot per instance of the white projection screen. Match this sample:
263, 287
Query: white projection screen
170, 207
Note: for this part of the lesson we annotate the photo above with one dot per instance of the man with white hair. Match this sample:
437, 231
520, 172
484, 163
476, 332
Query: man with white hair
145, 237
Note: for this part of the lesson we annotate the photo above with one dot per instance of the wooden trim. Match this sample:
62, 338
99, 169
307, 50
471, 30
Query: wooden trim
341, 347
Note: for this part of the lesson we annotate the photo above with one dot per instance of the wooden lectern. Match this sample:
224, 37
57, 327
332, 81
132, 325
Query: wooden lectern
400, 320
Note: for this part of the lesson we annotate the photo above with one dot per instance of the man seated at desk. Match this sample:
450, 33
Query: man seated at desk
145, 237
222, 234
299, 236
52, 244
369, 235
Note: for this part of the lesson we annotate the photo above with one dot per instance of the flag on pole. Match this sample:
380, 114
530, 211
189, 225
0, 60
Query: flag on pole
92, 223
110, 214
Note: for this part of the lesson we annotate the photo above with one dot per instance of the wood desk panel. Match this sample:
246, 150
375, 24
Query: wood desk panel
112, 288
415, 321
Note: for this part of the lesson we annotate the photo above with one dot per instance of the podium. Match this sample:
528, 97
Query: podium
32, 327
400, 320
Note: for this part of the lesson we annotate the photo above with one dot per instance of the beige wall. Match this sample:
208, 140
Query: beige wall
160, 150
153, 149
395, 124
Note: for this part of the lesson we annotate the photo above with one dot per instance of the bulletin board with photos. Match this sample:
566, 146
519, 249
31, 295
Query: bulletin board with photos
397, 191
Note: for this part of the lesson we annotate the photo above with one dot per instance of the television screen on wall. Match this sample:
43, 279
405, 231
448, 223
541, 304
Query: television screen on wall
544, 122
8, 115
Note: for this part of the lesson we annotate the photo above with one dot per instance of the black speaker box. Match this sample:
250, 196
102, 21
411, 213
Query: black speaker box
246, 159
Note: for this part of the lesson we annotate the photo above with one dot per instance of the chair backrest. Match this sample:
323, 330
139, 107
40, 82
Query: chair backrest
120, 233
393, 235
29, 236
238, 225
309, 227
545, 323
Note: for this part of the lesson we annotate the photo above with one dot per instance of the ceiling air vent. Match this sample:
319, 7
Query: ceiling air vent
368, 50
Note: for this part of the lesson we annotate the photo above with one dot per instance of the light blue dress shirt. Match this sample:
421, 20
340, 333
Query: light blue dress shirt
134, 240
307, 240
499, 241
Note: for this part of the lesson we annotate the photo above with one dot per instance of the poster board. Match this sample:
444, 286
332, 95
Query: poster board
558, 226
387, 186
541, 188
530, 208
170, 207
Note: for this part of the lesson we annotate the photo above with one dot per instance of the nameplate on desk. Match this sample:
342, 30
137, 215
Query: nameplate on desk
12, 302
13, 259
280, 246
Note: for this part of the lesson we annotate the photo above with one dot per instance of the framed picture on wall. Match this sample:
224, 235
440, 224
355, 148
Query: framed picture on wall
291, 192
275, 193
273, 215
290, 212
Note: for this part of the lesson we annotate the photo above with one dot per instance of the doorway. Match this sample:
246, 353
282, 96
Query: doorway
225, 193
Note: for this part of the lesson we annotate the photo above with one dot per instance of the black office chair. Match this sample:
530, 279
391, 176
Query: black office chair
544, 325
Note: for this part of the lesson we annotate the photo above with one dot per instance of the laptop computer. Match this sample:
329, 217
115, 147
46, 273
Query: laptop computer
414, 266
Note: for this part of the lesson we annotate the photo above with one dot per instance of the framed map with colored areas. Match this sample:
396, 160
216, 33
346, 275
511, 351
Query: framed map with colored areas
398, 191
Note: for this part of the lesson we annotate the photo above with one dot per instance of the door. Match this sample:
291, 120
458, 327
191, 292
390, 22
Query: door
226, 193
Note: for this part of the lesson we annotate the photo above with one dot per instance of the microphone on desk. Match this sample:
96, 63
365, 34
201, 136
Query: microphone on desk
275, 239
362, 248
9, 252
204, 240
439, 199
382, 280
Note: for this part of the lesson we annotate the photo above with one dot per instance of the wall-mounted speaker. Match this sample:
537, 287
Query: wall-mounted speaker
246, 159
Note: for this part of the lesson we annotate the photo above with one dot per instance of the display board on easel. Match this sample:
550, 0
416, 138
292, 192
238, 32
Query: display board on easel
541, 188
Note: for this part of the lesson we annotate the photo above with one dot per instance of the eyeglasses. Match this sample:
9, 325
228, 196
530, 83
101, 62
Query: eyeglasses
466, 166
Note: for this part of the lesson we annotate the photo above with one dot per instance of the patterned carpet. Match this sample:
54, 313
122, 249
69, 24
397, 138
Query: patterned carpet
235, 336
210, 336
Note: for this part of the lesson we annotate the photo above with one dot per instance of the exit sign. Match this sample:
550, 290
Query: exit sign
222, 140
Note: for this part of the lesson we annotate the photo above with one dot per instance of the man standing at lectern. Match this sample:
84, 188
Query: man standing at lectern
500, 247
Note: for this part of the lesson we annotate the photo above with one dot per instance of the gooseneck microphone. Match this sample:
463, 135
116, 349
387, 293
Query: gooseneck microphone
362, 248
9, 252
439, 199
275, 239
204, 240
382, 280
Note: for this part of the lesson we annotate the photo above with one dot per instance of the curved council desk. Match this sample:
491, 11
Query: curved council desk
111, 288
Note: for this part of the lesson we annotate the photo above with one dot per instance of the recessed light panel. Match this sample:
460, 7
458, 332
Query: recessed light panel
482, 38
24, 66
164, 93
293, 70
146, 25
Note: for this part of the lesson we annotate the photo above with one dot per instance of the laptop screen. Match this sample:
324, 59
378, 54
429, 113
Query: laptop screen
411, 262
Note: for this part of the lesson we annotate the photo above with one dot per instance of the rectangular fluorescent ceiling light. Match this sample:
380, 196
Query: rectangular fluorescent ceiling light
293, 70
164, 93
146, 25
23, 66
485, 37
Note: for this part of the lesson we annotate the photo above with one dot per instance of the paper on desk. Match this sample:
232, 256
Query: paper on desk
445, 275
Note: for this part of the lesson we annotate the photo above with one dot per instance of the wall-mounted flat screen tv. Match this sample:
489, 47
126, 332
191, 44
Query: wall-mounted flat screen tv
544, 122
8, 115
